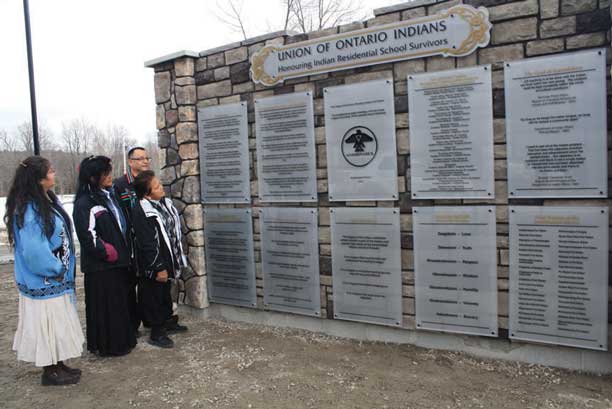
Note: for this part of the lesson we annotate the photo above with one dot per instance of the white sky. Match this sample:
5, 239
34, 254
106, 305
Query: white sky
89, 55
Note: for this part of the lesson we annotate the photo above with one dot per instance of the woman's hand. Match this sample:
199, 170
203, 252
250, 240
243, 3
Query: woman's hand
162, 276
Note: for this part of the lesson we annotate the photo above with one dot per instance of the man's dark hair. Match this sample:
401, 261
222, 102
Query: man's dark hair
142, 183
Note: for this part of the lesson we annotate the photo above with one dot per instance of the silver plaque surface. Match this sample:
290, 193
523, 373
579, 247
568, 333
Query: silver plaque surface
286, 156
290, 260
455, 272
559, 275
556, 126
230, 262
451, 134
224, 154
366, 265
360, 137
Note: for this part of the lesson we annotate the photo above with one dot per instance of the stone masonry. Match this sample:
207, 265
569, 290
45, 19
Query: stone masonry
186, 81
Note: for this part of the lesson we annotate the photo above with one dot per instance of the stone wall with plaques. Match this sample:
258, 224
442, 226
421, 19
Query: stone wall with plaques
519, 31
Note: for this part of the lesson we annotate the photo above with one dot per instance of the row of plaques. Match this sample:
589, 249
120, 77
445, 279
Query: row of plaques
558, 279
555, 120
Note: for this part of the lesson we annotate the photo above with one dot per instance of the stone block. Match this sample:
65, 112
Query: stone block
513, 10
171, 118
222, 73
240, 72
549, 8
236, 55
356, 25
182, 81
322, 33
193, 217
402, 141
188, 151
190, 168
401, 70
558, 27
440, 63
161, 81
184, 67
414, 13
577, 6
384, 19
187, 113
191, 189
160, 117
598, 20
185, 95
494, 55
541, 47
586, 40
216, 60
201, 64
186, 132
515, 30
215, 89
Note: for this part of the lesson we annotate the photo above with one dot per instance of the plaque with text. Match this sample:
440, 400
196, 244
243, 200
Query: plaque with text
366, 265
451, 134
360, 136
290, 260
286, 155
455, 269
230, 262
556, 126
224, 154
559, 275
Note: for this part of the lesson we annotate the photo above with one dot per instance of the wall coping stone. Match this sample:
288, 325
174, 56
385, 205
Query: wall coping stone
405, 6
170, 57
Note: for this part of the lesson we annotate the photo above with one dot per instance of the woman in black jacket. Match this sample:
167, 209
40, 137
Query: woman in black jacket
158, 238
105, 260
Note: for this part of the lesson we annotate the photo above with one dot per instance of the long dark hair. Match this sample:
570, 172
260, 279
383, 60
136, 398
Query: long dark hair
26, 189
91, 171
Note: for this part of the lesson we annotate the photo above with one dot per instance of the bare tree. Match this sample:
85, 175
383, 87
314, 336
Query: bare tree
7, 143
313, 15
77, 136
25, 136
230, 14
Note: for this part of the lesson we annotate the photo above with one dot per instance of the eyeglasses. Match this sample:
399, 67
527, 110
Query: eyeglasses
141, 159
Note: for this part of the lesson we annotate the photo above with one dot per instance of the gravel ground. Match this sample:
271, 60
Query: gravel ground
220, 364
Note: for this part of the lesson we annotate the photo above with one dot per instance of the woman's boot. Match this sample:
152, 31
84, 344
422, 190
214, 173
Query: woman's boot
53, 375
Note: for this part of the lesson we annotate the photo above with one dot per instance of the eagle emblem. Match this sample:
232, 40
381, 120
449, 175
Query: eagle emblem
359, 146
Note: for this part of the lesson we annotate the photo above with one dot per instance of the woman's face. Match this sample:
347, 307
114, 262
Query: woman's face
49, 181
106, 180
157, 190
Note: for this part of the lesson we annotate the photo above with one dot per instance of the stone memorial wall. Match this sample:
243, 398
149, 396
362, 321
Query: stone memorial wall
442, 121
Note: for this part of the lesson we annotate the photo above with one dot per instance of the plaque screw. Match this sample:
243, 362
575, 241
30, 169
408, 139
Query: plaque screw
512, 335
508, 65
418, 325
512, 210
511, 193
410, 77
454, 46
602, 212
490, 211
388, 82
489, 193
600, 192
397, 323
325, 90
414, 194
414, 210
452, 16
485, 68
492, 332
599, 52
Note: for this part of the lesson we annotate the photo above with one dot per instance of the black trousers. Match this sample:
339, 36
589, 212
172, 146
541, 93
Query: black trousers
155, 301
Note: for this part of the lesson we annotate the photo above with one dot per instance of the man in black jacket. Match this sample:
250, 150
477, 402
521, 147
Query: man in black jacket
160, 252
138, 161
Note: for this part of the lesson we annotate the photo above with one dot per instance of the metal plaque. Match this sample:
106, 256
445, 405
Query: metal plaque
559, 275
556, 126
456, 31
366, 265
286, 154
224, 154
290, 260
230, 262
451, 134
360, 136
455, 272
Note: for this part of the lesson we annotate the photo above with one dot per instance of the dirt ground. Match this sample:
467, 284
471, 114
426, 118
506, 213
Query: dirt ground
220, 364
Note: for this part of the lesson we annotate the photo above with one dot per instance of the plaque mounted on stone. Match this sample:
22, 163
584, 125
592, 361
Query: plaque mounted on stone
290, 260
224, 154
230, 262
286, 154
366, 265
556, 126
455, 269
360, 137
559, 275
451, 134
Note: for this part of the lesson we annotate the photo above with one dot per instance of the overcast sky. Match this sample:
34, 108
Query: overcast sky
89, 55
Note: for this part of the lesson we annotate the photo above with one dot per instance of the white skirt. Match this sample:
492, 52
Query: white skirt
48, 331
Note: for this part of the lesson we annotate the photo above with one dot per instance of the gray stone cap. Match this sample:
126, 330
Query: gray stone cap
220, 49
405, 6
170, 57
